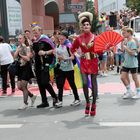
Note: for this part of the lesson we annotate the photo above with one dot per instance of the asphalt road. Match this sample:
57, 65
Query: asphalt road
116, 119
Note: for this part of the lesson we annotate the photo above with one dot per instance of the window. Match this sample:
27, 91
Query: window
137, 25
132, 24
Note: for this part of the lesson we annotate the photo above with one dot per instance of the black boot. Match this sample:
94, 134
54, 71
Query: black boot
43, 105
118, 69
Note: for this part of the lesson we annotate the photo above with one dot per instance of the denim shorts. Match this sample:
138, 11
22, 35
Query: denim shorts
104, 58
119, 57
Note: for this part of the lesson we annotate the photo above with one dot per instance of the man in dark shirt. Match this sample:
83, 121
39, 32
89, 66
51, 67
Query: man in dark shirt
43, 50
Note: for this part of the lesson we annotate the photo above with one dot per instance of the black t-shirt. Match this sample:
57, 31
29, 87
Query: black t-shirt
41, 45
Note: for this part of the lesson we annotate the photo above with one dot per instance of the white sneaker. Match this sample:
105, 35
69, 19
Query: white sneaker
105, 74
75, 103
127, 95
59, 104
101, 74
33, 100
23, 107
136, 96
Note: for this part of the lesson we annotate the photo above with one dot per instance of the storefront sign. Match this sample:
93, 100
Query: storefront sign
14, 17
76, 7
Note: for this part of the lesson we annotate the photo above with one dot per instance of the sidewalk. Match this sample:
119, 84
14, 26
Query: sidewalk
104, 88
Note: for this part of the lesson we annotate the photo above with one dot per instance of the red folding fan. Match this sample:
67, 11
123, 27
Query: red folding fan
106, 40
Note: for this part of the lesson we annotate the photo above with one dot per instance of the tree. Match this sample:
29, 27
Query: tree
134, 5
90, 8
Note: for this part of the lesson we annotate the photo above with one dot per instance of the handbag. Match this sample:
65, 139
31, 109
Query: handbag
13, 68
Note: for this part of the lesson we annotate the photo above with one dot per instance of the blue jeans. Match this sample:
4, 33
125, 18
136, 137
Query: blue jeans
119, 58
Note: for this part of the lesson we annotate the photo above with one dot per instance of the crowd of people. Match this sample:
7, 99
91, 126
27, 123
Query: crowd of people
35, 57
116, 19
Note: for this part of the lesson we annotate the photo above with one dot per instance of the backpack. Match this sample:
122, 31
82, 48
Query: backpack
74, 60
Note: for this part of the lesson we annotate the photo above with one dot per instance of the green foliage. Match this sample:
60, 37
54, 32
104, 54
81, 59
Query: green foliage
134, 5
90, 8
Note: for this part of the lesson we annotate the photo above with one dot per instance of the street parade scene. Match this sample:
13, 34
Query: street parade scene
69, 69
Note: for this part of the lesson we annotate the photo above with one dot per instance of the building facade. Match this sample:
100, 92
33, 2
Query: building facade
96, 6
38, 11
110, 5
46, 13
49, 14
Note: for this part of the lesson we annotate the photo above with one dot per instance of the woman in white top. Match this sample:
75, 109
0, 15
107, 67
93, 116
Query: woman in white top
6, 59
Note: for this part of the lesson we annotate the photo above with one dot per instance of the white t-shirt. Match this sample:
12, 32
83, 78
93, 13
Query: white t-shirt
5, 54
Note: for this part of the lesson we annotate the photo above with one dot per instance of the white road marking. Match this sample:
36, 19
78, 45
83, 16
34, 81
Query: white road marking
120, 124
10, 126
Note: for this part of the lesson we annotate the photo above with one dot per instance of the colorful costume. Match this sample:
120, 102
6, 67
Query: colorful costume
89, 61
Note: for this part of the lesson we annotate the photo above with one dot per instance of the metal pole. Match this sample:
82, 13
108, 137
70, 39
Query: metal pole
4, 19
117, 5
102, 6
